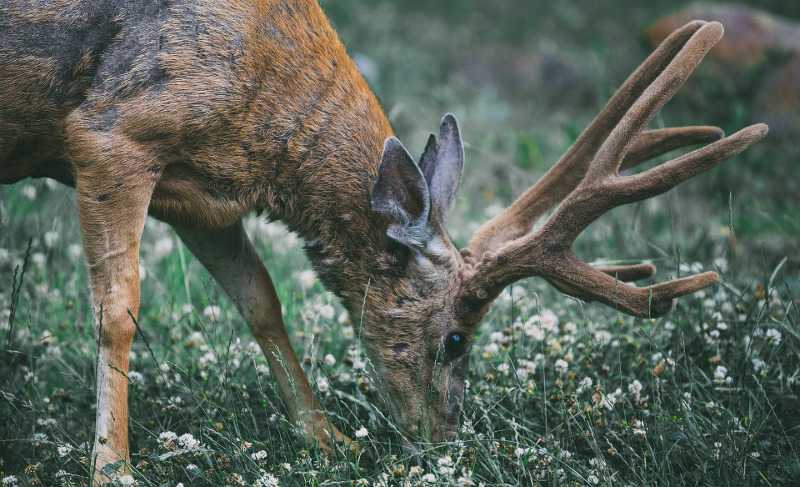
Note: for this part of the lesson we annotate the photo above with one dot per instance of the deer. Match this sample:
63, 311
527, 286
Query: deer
199, 113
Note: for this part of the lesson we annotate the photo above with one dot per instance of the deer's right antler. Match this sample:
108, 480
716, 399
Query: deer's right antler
503, 251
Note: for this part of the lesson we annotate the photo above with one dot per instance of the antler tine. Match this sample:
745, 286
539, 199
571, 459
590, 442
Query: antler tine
624, 273
668, 175
652, 301
517, 220
548, 252
653, 143
610, 155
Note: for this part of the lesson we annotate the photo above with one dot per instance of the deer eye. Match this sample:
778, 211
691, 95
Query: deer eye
455, 344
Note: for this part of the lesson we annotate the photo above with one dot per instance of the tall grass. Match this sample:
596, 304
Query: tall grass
560, 392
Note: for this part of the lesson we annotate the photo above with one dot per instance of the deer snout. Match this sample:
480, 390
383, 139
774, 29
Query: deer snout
453, 410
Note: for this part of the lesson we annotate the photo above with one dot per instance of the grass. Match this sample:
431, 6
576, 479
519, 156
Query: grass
560, 392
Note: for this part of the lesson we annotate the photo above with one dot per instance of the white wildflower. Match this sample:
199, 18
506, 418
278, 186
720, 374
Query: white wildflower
532, 329
503, 368
330, 360
635, 388
75, 251
266, 480
445, 461
168, 436
497, 337
211, 312
561, 365
163, 247
720, 375
259, 455
188, 441
307, 279
50, 238
638, 428
136, 378
608, 400
585, 383
603, 337
323, 385
773, 336
760, 366
548, 320
327, 312
47, 422
712, 337
362, 432
64, 450
39, 259
429, 478
592, 479
28, 192
126, 480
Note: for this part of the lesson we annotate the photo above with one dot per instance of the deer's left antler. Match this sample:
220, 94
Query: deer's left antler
503, 251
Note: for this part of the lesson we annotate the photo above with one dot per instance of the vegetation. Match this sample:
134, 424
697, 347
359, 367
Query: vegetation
560, 392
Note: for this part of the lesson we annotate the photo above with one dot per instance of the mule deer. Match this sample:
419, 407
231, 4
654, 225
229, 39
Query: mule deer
200, 112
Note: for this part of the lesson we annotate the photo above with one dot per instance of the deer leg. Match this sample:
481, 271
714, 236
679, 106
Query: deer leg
233, 262
113, 197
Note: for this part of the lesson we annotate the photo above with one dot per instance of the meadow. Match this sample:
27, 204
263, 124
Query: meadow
560, 392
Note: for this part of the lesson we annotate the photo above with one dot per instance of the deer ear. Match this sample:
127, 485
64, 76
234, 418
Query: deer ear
401, 192
442, 164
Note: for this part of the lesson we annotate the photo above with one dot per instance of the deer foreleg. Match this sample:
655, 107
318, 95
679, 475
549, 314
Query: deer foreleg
113, 196
233, 262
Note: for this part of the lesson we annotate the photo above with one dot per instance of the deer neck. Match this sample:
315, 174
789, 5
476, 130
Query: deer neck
320, 187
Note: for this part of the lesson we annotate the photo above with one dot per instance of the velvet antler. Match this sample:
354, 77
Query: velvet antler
587, 179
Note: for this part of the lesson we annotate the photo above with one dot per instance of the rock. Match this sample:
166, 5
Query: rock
759, 55
749, 33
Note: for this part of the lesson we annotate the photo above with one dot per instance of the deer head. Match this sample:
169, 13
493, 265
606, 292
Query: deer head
444, 292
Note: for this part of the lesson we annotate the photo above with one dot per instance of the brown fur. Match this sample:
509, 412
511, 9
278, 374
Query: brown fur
201, 112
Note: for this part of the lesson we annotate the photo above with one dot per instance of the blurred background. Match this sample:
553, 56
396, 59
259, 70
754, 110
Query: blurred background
524, 78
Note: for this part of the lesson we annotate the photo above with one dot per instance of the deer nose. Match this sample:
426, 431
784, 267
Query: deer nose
453, 410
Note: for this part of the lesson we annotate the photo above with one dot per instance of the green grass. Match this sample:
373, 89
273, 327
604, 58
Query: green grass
681, 400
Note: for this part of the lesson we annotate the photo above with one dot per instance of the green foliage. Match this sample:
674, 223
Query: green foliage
706, 396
